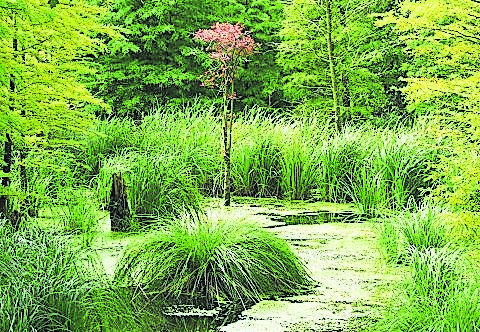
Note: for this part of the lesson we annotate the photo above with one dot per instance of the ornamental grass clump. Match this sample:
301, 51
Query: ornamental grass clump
206, 261
44, 287
440, 295
157, 185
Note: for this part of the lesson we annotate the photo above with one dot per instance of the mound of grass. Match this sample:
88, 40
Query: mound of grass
43, 288
411, 232
207, 261
422, 229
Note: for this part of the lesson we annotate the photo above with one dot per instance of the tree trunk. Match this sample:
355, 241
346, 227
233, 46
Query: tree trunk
336, 110
346, 98
118, 205
7, 160
227, 123
7, 152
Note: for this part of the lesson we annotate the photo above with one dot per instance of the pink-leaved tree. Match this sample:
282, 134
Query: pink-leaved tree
229, 46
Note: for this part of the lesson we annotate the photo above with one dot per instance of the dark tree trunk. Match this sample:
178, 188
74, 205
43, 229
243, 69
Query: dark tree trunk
7, 159
118, 205
5, 210
346, 99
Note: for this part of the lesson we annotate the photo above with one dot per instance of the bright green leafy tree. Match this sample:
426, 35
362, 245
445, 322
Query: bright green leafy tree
43, 45
336, 57
443, 83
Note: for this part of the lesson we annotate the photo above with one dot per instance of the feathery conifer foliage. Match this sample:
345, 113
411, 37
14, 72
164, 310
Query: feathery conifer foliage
42, 55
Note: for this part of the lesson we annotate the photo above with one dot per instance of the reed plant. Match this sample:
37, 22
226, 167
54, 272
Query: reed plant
408, 232
43, 287
299, 170
114, 136
439, 296
157, 185
423, 230
280, 156
257, 169
206, 261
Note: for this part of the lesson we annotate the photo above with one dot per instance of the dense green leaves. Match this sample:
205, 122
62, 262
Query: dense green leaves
41, 50
443, 82
157, 58
360, 55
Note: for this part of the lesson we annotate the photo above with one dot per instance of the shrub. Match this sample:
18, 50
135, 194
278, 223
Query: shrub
207, 261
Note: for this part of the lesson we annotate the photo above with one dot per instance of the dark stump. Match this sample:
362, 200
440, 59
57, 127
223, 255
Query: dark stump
118, 205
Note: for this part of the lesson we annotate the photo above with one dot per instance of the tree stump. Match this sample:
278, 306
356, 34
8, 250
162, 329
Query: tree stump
118, 205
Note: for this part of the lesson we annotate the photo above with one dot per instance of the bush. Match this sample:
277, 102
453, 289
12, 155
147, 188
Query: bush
207, 261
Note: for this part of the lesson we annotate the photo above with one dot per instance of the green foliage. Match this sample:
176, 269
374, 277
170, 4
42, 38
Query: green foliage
409, 232
44, 286
208, 261
257, 169
437, 297
156, 58
79, 214
158, 185
47, 100
442, 82
43, 52
361, 62
299, 169
422, 230
273, 157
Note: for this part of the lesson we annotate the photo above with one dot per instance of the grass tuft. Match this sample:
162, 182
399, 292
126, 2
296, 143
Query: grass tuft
207, 261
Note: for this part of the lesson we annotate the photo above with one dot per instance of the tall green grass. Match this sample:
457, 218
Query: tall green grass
43, 287
278, 156
409, 232
441, 293
257, 169
158, 185
206, 261
439, 296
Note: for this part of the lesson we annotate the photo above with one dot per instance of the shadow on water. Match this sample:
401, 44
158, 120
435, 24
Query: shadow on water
160, 316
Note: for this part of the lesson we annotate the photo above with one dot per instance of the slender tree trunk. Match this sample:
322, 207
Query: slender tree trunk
336, 110
227, 124
25, 204
7, 151
346, 98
